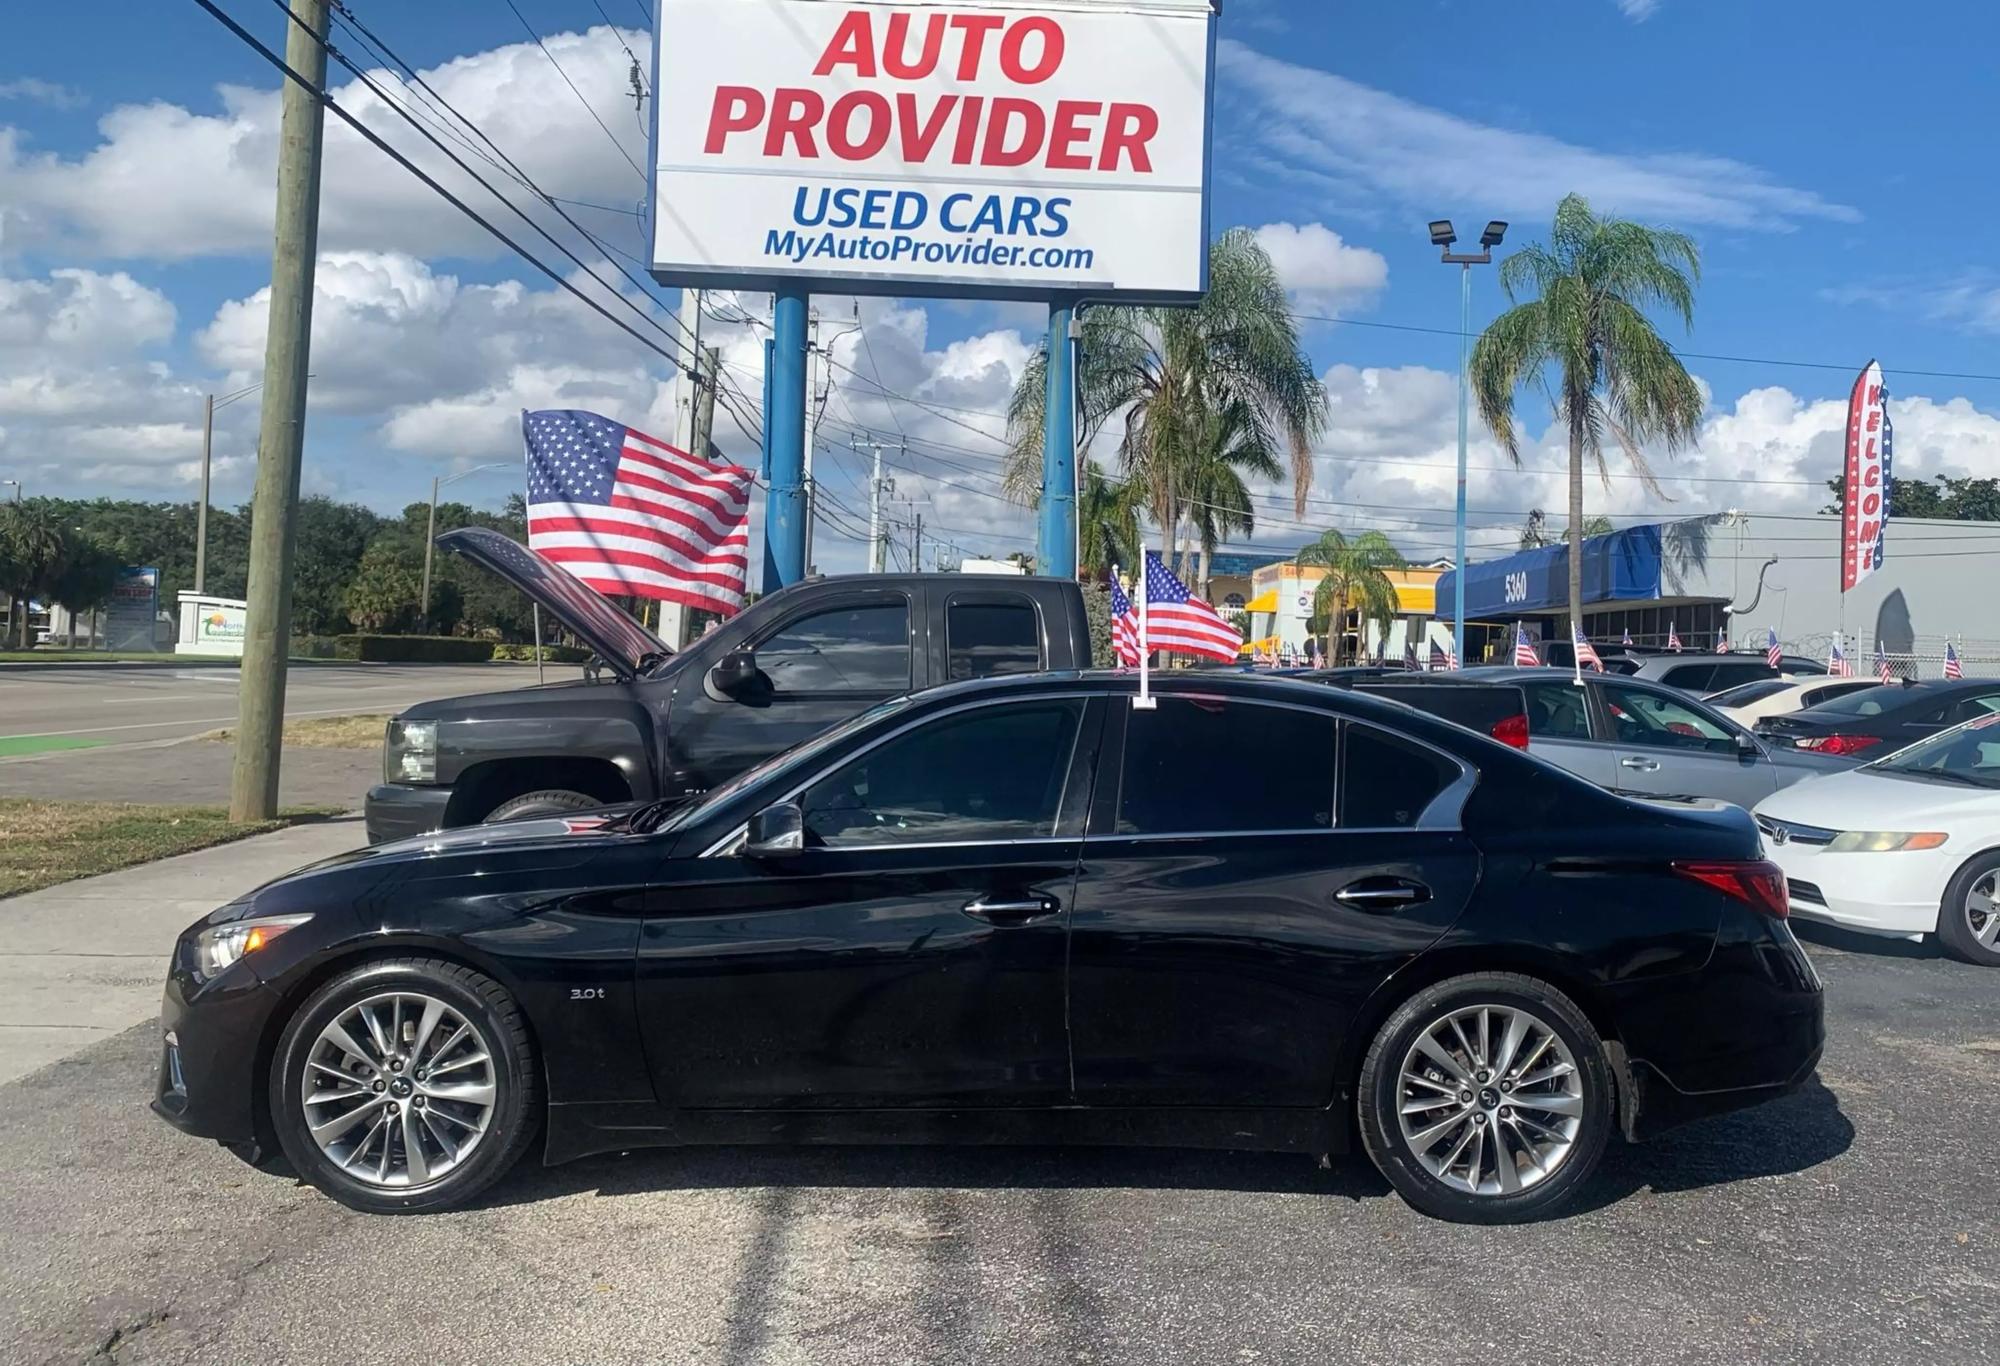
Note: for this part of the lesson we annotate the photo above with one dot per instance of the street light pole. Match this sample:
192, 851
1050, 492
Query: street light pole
201, 516
1442, 236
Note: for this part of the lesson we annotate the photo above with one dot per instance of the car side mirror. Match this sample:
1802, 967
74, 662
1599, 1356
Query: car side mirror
735, 674
776, 832
1747, 746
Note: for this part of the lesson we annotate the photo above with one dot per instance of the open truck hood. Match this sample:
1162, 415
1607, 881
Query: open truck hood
621, 641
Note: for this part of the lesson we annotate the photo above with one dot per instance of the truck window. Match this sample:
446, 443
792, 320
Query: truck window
842, 649
987, 638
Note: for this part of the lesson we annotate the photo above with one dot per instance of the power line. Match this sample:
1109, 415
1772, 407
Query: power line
578, 93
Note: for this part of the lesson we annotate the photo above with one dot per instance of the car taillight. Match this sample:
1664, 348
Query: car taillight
1838, 744
1511, 730
1758, 884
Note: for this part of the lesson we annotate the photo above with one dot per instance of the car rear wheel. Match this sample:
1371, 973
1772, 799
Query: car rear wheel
548, 802
1969, 919
404, 1086
1486, 1099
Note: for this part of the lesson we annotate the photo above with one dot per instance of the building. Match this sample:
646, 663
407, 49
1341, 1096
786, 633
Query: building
1281, 609
1742, 577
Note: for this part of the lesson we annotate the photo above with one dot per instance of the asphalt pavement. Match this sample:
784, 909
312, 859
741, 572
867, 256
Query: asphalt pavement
1855, 1221
112, 733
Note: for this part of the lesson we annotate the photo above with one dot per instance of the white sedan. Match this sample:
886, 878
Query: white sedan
1748, 703
1908, 845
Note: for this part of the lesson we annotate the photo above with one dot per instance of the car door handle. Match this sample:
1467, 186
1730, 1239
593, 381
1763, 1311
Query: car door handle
1641, 765
1012, 911
1382, 894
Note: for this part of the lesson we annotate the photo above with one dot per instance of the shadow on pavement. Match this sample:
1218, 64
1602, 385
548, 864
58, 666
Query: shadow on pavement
1873, 945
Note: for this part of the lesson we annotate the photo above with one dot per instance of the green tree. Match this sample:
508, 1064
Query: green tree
31, 550
1107, 518
1168, 371
1940, 497
1586, 321
1356, 580
1535, 531
84, 579
1228, 444
386, 586
331, 539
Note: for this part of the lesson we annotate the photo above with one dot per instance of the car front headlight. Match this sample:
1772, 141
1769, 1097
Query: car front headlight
409, 752
1883, 841
220, 945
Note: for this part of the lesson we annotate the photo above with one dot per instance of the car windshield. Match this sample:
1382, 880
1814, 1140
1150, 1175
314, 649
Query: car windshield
1867, 702
1965, 754
798, 755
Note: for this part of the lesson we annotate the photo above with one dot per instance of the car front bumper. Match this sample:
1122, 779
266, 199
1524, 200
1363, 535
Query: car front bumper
397, 811
1882, 893
209, 1081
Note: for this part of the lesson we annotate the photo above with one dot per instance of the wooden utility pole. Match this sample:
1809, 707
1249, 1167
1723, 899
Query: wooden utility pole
704, 402
253, 785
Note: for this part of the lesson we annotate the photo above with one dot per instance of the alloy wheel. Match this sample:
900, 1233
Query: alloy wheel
1490, 1100
1982, 910
399, 1089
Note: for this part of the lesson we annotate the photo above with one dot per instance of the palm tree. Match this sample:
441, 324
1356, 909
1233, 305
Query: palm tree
31, 547
1107, 518
1535, 531
1355, 578
1168, 371
1227, 445
1586, 320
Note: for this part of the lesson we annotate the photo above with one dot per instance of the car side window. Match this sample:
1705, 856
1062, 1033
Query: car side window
987, 638
1202, 765
1690, 677
1387, 782
1984, 704
1557, 713
994, 773
1654, 721
1737, 671
859, 649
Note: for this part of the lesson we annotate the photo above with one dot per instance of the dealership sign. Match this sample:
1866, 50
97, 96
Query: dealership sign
1001, 149
1864, 513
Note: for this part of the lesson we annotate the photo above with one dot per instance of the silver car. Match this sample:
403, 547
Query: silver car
1649, 739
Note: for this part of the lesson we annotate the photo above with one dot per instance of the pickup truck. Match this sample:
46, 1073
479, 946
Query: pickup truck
655, 724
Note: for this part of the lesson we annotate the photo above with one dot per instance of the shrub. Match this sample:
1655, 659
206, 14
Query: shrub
551, 654
413, 649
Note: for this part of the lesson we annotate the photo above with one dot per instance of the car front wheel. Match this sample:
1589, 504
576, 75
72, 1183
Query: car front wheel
1486, 1099
1969, 919
404, 1086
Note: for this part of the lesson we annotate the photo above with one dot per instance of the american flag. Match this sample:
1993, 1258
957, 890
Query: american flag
1124, 628
1410, 656
1952, 667
1439, 660
1673, 637
1882, 669
1722, 644
1586, 653
1837, 663
1451, 655
1524, 649
629, 514
1318, 660
1626, 639
1178, 620
1772, 654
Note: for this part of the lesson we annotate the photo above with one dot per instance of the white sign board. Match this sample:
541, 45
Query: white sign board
999, 149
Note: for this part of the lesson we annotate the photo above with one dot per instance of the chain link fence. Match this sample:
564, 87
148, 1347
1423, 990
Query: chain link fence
1976, 658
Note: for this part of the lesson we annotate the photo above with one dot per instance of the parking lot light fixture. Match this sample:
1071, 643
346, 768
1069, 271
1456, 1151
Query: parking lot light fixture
1442, 236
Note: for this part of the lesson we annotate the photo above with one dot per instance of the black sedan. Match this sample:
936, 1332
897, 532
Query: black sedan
1877, 721
1259, 914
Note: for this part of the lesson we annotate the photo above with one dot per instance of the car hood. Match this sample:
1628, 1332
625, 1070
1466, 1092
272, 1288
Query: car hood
621, 641
1867, 799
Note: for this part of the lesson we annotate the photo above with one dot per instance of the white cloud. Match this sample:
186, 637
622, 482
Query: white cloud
1340, 135
37, 91
1322, 271
1638, 11
206, 178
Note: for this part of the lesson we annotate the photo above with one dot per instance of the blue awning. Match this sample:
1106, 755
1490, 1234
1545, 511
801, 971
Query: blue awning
1621, 567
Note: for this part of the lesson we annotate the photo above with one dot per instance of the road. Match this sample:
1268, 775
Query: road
104, 733
1858, 1220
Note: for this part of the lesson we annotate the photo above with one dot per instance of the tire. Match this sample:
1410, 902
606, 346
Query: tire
1565, 1144
1977, 883
547, 802
365, 1164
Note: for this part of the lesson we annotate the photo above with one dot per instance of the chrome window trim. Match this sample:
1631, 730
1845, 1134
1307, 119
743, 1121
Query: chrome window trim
729, 843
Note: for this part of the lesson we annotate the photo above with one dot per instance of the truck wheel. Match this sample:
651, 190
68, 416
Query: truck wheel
548, 802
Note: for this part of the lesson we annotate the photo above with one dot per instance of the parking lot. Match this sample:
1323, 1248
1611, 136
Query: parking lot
1857, 1220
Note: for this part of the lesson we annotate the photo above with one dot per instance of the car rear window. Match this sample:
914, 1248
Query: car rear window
1868, 702
1692, 677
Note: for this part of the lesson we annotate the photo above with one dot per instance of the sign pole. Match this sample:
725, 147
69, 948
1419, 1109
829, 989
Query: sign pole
785, 427
1055, 553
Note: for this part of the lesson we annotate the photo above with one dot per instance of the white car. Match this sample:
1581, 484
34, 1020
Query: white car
1748, 703
1908, 845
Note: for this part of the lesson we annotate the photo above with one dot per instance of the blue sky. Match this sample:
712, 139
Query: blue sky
1818, 154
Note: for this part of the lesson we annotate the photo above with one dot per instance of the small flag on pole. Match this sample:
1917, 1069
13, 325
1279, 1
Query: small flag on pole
1586, 653
1171, 618
1626, 639
1524, 649
1772, 655
1410, 656
1439, 659
1124, 626
1673, 638
1722, 643
1952, 667
1451, 656
1882, 669
1837, 663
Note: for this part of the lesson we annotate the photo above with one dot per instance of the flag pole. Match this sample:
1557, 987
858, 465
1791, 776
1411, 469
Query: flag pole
1145, 701
1576, 651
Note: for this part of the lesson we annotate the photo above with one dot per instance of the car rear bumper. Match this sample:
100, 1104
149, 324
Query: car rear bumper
397, 811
